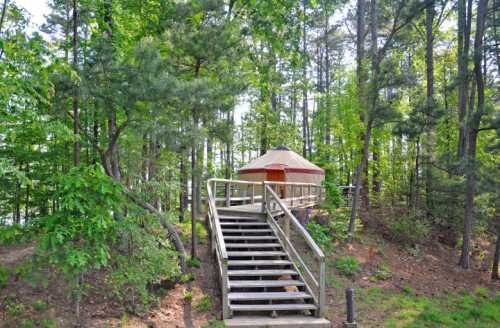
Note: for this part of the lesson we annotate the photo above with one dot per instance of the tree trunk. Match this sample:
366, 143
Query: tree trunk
183, 194
496, 257
463, 39
172, 232
76, 115
473, 131
358, 174
361, 78
194, 170
429, 147
305, 111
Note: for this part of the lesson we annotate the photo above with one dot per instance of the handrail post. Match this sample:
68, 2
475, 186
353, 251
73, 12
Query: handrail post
293, 194
252, 199
228, 194
322, 274
264, 198
225, 303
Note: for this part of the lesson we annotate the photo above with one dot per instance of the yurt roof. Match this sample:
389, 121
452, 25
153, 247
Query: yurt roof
281, 158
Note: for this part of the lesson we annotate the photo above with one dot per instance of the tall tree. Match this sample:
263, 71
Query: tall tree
473, 129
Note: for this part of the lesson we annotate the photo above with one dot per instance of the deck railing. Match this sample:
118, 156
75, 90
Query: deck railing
218, 246
275, 199
297, 241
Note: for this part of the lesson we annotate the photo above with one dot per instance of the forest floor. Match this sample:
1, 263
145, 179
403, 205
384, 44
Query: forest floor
395, 286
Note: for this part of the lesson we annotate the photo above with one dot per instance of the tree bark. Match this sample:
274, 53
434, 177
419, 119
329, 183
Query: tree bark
305, 111
429, 147
361, 78
173, 235
496, 257
76, 115
463, 39
358, 175
473, 131
4, 10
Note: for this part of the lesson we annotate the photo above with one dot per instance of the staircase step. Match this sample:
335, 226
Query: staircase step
268, 296
236, 273
263, 283
288, 321
250, 237
259, 245
258, 262
246, 230
256, 253
245, 218
272, 307
245, 224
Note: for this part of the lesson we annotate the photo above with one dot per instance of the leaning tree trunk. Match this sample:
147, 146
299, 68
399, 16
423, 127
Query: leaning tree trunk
173, 234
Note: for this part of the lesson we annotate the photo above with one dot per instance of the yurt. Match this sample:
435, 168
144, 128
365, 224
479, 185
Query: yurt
282, 164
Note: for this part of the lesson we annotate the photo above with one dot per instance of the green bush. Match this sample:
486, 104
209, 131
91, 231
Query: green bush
14, 234
347, 265
4, 276
89, 232
333, 196
40, 305
320, 234
143, 260
204, 304
409, 229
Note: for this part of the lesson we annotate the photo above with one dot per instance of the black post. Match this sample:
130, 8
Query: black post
351, 314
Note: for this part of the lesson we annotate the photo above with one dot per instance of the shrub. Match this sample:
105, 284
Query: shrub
194, 262
89, 233
204, 304
143, 260
383, 272
4, 276
333, 196
14, 234
409, 229
40, 305
320, 234
347, 265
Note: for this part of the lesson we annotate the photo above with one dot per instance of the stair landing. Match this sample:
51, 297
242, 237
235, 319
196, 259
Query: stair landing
289, 321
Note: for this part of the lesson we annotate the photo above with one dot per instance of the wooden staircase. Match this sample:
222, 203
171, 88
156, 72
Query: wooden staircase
261, 284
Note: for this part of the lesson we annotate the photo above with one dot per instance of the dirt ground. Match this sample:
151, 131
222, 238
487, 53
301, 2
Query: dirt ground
429, 269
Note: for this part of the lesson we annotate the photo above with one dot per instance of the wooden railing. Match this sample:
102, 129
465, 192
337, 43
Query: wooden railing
275, 200
218, 246
288, 223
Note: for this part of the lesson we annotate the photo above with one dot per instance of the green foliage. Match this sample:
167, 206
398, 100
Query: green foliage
4, 276
188, 296
77, 237
474, 309
204, 304
347, 265
409, 229
14, 234
214, 323
339, 226
383, 272
333, 199
194, 262
144, 259
40, 305
320, 234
